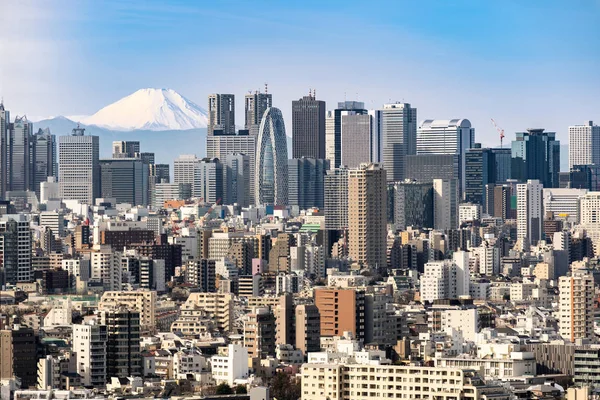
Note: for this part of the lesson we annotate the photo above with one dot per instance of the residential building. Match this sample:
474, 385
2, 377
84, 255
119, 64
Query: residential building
575, 306
123, 356
142, 301
445, 204
336, 199
530, 214
15, 249
308, 328
259, 333
341, 310
89, 343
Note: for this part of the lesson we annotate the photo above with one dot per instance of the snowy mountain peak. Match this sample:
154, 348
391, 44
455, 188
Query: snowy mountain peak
150, 109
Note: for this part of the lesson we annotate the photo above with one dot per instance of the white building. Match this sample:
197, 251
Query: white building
589, 219
468, 212
53, 220
464, 320
584, 144
563, 203
488, 259
575, 306
447, 279
445, 204
230, 364
188, 361
530, 213
89, 343
105, 264
79, 166
49, 190
399, 136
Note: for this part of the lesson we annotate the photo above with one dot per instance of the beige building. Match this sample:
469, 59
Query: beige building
575, 306
360, 382
259, 333
218, 305
143, 302
308, 328
367, 215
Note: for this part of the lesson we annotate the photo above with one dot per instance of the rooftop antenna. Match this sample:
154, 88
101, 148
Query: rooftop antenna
314, 93
266, 88
344, 97
309, 91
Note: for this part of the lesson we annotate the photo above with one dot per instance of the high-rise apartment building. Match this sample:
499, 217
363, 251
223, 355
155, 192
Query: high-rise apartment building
19, 154
536, 155
399, 136
584, 144
308, 127
530, 213
79, 166
336, 199
454, 136
125, 180
221, 114
255, 106
576, 306
367, 215
259, 333
18, 355
341, 310
126, 149
123, 355
106, 268
308, 328
306, 187
15, 250
271, 173
89, 343
445, 204
357, 138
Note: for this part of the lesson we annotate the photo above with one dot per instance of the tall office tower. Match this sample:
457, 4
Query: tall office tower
271, 175
161, 172
89, 343
125, 149
170, 191
147, 158
536, 155
427, 167
480, 170
367, 215
256, 104
15, 250
584, 144
237, 167
79, 166
530, 213
333, 131
306, 187
308, 127
208, 180
4, 139
43, 158
575, 306
259, 333
185, 169
445, 204
447, 137
308, 328
503, 158
336, 199
124, 179
219, 146
341, 310
399, 135
221, 114
19, 160
357, 138
411, 203
18, 355
562, 204
588, 216
123, 356
376, 136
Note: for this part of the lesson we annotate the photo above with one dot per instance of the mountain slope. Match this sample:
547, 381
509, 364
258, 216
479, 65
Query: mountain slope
150, 109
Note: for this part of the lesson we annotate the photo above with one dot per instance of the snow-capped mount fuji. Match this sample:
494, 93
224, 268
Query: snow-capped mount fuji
149, 109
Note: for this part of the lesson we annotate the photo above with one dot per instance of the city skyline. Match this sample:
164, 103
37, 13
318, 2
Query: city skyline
496, 75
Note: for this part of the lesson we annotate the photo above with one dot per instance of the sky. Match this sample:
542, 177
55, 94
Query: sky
524, 63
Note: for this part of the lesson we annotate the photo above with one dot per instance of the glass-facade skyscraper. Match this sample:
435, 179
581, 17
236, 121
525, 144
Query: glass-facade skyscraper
271, 175
536, 155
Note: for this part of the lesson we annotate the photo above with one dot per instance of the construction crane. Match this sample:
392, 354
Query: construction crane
500, 131
210, 210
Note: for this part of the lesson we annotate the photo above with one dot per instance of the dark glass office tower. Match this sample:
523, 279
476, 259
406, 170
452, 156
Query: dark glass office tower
308, 127
536, 155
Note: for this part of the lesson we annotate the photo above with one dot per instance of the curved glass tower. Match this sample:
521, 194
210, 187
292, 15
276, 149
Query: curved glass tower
271, 175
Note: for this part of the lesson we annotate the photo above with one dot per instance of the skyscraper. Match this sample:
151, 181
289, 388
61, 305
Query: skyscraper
256, 104
125, 149
453, 136
427, 167
536, 155
399, 135
308, 128
19, 160
306, 182
221, 114
412, 204
43, 154
480, 170
79, 166
184, 169
367, 215
124, 179
530, 215
208, 180
4, 124
333, 130
271, 177
357, 138
237, 167
445, 204
584, 144
336, 199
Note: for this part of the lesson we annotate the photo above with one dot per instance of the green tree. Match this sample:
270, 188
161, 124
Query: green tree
224, 388
241, 389
284, 388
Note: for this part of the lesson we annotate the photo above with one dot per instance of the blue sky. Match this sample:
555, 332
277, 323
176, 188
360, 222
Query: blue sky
523, 63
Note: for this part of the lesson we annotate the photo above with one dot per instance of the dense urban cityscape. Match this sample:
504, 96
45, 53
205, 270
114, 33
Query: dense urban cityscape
384, 258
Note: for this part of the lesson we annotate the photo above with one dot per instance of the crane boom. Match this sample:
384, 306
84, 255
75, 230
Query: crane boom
499, 130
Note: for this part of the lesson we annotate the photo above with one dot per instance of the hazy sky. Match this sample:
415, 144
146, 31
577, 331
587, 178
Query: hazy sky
524, 63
